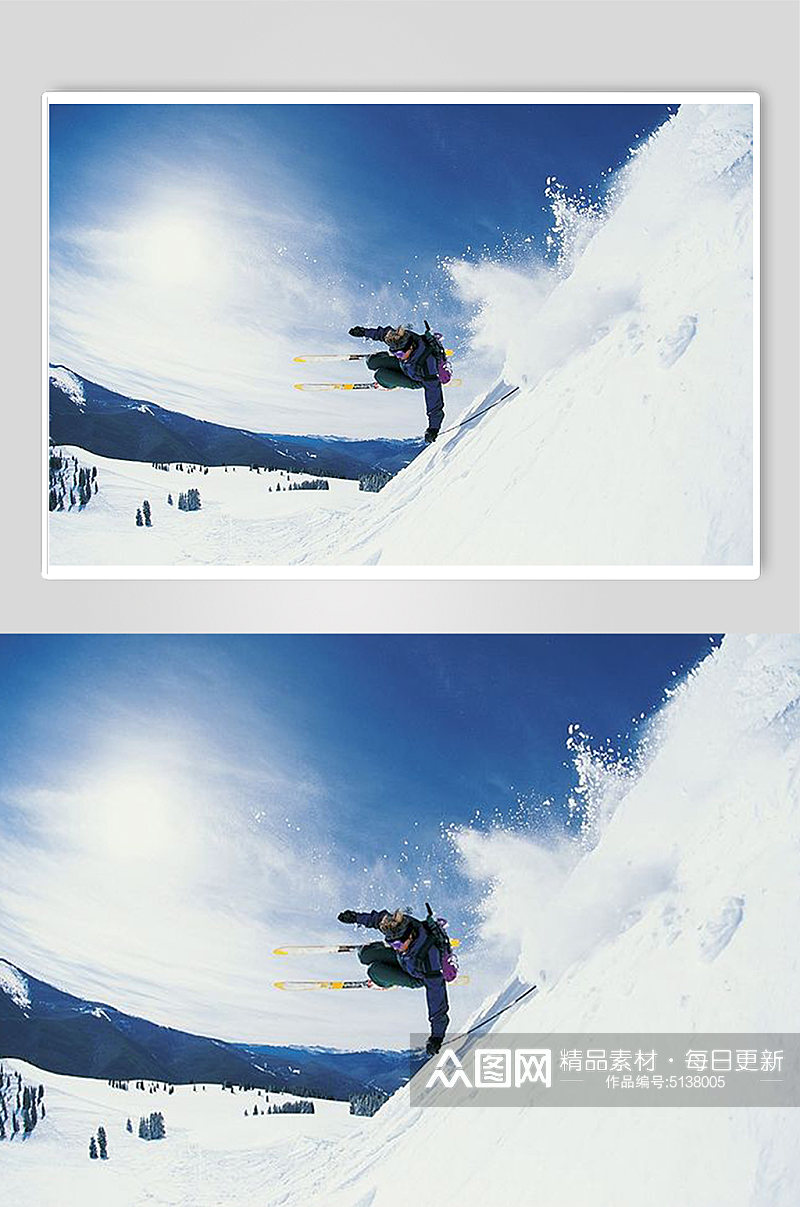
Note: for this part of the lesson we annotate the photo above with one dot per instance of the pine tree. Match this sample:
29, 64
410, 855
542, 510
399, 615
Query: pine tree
368, 1103
375, 481
138, 517
93, 1149
144, 1129
102, 1143
146, 513
129, 1126
169, 499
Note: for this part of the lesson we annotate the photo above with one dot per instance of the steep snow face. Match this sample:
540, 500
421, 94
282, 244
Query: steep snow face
70, 384
15, 985
677, 910
630, 441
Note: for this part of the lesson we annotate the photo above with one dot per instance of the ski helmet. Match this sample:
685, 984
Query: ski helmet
399, 338
396, 926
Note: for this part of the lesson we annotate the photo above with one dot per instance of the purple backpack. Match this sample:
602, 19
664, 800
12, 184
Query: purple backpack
433, 342
438, 937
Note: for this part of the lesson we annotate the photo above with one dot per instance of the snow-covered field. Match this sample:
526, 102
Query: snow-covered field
212, 1153
239, 522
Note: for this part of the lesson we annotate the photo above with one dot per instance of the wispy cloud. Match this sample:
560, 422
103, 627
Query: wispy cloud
154, 854
198, 298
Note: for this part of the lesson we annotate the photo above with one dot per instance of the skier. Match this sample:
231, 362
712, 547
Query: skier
409, 957
413, 362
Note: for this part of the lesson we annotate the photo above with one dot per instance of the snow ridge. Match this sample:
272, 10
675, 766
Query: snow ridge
69, 384
14, 984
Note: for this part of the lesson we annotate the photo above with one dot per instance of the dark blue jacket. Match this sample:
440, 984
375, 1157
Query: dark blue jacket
421, 366
425, 966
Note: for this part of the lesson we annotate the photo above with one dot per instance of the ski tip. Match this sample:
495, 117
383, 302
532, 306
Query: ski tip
280, 951
295, 986
301, 986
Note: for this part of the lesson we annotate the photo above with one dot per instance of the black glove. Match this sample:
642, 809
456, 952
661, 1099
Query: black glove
433, 1045
347, 915
431, 435
357, 331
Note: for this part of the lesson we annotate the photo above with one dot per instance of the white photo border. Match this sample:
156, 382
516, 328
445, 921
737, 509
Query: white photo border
404, 572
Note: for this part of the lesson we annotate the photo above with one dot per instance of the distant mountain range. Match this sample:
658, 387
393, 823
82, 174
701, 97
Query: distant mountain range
54, 1030
88, 415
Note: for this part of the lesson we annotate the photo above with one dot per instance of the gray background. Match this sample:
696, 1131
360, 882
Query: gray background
520, 45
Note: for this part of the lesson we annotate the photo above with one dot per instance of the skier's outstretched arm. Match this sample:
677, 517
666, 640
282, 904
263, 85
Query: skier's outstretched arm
372, 918
369, 332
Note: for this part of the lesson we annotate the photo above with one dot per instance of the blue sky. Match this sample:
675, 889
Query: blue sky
196, 248
171, 808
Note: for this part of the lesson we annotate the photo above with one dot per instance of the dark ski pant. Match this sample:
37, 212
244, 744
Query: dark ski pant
389, 374
382, 965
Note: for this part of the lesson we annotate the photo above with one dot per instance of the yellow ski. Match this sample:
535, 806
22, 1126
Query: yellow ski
306, 360
461, 979
332, 948
356, 385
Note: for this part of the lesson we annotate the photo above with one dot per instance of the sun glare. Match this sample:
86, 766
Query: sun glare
172, 252
133, 817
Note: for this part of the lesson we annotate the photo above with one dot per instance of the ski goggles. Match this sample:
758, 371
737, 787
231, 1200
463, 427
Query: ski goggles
396, 927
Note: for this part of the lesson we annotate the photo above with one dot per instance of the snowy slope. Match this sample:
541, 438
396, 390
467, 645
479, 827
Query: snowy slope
240, 521
682, 914
630, 441
212, 1153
